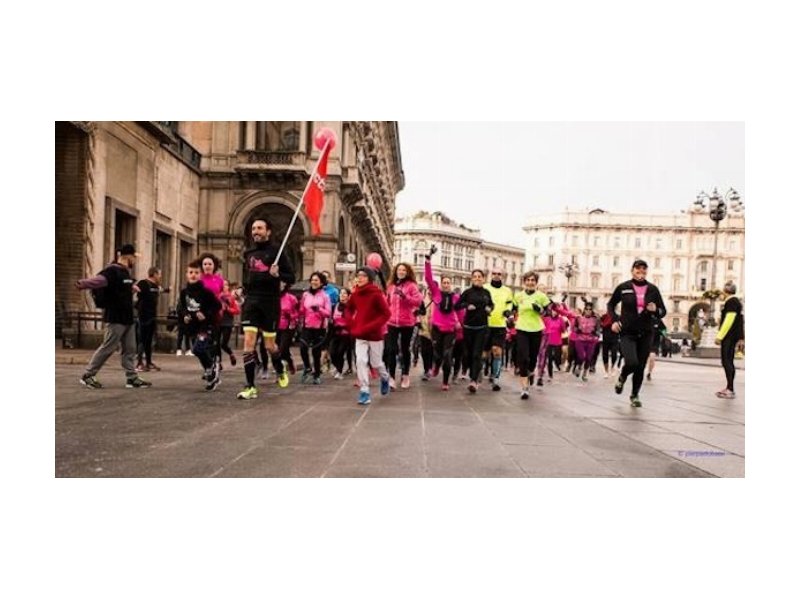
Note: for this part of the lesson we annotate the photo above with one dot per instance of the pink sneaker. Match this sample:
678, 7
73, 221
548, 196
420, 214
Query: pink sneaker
405, 382
445, 387
726, 394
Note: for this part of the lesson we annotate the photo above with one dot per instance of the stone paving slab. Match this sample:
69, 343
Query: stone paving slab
567, 429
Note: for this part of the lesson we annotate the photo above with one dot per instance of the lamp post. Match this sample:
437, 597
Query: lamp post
569, 269
717, 211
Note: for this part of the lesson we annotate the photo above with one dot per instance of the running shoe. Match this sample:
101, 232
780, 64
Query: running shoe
496, 387
584, 377
435, 372
726, 394
405, 382
426, 376
283, 379
524, 395
137, 382
178, 353
91, 381
140, 367
392, 383
445, 387
214, 382
472, 387
635, 402
233, 360
152, 367
248, 393
386, 385
363, 397
539, 382
649, 377
619, 385
305, 377
189, 353
337, 375
317, 380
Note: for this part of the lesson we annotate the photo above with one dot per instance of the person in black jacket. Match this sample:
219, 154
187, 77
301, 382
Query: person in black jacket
197, 308
262, 305
119, 287
641, 305
478, 303
147, 307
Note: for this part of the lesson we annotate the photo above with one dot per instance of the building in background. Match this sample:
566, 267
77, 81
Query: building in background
178, 188
597, 248
461, 249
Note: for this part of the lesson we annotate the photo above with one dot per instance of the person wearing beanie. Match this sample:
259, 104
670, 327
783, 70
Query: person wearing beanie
367, 314
404, 300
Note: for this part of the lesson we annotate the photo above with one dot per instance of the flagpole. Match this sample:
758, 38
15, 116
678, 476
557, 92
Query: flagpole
300, 204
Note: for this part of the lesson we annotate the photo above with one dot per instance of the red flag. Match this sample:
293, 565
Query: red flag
314, 199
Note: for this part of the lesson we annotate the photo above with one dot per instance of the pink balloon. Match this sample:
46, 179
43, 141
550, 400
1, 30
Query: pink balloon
323, 136
374, 261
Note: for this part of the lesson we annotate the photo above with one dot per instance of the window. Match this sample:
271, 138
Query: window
676, 323
677, 263
446, 261
730, 265
596, 241
657, 263
702, 284
616, 261
732, 245
552, 241
549, 281
616, 242
678, 243
595, 261
535, 242
534, 260
574, 240
615, 281
658, 243
637, 243
278, 136
551, 260
676, 306
703, 267
595, 281
676, 283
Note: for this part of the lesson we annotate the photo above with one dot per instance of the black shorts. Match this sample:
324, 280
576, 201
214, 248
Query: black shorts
261, 313
496, 337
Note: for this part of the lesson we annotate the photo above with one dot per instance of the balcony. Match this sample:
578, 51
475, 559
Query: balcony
270, 160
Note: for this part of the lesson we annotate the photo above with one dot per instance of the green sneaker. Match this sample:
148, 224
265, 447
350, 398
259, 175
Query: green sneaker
137, 382
635, 402
90, 381
283, 378
619, 385
248, 393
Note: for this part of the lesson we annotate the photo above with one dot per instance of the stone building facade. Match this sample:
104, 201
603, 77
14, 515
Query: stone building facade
179, 188
461, 249
679, 250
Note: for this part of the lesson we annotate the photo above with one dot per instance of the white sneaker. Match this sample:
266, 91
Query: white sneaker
392, 384
605, 375
405, 382
178, 353
189, 353
337, 375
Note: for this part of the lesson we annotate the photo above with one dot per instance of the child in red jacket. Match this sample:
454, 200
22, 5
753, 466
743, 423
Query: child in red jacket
367, 315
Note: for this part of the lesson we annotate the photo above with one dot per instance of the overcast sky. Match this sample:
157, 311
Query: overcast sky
494, 176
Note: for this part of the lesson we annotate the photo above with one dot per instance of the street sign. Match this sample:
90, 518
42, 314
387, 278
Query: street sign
347, 267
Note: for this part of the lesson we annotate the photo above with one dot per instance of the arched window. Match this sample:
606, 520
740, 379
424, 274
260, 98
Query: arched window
278, 136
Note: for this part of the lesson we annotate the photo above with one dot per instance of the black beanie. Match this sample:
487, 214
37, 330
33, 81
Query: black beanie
369, 272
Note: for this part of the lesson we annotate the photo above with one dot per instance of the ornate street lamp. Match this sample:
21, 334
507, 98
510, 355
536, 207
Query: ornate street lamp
569, 269
717, 211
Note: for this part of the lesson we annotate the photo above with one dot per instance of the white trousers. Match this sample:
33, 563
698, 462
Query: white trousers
369, 354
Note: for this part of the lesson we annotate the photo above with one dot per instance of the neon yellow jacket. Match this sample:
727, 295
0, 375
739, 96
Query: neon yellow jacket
503, 299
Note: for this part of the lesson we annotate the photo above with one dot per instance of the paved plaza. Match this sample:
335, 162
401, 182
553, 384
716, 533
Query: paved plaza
567, 429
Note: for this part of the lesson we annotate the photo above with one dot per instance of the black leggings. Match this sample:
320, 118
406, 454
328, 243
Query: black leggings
443, 344
147, 330
225, 338
398, 338
184, 336
727, 354
426, 350
553, 357
474, 341
528, 343
340, 345
284, 341
635, 348
610, 347
313, 339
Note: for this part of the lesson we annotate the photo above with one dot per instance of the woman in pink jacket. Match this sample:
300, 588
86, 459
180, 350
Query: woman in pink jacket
315, 310
290, 315
404, 299
214, 282
444, 322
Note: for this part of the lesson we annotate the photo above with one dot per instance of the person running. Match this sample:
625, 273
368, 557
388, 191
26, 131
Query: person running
230, 308
404, 298
503, 300
587, 326
730, 337
197, 307
445, 323
659, 335
554, 328
262, 308
333, 294
529, 305
477, 301
367, 315
424, 336
641, 302
147, 306
610, 345
511, 342
214, 283
115, 285
315, 310
290, 315
341, 340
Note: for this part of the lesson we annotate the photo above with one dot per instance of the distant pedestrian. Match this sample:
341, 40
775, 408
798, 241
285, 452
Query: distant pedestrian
147, 307
730, 337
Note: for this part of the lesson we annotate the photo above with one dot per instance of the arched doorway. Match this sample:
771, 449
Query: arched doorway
695, 309
279, 216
